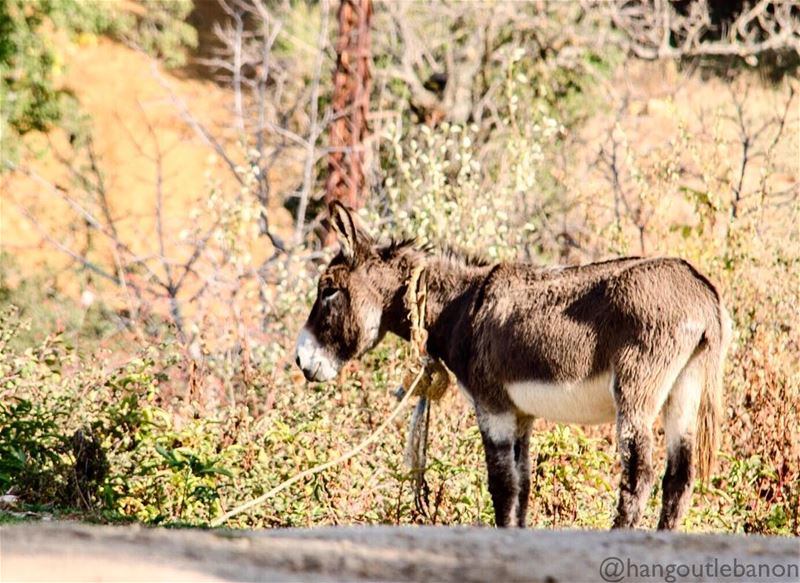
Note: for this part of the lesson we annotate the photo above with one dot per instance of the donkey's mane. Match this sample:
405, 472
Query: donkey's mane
463, 257
450, 253
397, 247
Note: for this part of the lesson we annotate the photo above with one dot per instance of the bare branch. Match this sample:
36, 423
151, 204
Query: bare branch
314, 130
90, 265
662, 32
193, 122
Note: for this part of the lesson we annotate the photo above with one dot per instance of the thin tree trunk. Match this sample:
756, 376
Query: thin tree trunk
352, 78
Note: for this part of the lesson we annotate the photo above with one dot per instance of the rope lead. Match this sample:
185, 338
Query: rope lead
321, 467
431, 386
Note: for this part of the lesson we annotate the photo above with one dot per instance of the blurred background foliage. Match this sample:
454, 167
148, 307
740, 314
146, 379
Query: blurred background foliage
163, 169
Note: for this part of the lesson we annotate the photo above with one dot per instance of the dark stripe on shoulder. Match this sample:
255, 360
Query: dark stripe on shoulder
480, 297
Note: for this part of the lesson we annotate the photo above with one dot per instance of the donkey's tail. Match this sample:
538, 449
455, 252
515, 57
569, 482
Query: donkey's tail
711, 396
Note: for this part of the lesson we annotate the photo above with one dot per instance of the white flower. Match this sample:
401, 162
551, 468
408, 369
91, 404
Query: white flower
87, 298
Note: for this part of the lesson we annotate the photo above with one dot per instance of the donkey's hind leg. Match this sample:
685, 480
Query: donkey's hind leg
637, 401
642, 382
635, 438
680, 420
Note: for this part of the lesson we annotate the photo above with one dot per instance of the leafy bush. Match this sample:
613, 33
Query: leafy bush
30, 442
161, 30
161, 463
455, 185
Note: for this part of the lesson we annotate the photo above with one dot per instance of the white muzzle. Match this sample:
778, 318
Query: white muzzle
316, 361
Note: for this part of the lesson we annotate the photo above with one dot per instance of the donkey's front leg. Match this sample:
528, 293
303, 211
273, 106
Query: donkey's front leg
522, 461
499, 433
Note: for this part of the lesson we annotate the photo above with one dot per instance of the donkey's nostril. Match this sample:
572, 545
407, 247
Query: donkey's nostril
297, 362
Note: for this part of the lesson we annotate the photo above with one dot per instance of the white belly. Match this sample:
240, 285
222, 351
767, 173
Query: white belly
590, 401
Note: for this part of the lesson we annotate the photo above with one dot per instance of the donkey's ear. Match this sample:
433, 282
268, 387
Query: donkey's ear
353, 240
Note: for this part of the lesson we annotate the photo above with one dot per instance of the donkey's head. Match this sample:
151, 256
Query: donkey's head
359, 285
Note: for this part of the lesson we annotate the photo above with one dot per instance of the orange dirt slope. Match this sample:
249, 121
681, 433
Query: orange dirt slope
134, 115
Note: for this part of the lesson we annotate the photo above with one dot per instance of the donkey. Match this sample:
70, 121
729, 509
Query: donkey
618, 340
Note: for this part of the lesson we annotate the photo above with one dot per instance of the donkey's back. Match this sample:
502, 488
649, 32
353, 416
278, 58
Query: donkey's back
571, 324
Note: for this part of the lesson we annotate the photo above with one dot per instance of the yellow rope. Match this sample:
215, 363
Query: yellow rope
322, 467
416, 296
436, 379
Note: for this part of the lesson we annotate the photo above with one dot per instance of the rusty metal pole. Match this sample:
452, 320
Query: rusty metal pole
351, 80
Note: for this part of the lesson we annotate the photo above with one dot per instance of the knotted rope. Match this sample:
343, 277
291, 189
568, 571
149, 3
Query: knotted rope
431, 386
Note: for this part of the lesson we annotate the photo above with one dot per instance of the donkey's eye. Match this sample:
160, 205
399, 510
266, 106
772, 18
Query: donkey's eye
328, 293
